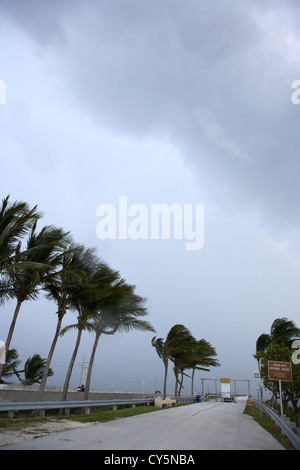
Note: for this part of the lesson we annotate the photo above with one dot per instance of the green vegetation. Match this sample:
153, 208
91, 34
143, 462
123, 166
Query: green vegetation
276, 346
268, 424
103, 415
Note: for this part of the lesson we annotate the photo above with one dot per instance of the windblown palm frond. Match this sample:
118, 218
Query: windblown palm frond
16, 219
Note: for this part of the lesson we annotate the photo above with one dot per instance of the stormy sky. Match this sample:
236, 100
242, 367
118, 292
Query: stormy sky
164, 102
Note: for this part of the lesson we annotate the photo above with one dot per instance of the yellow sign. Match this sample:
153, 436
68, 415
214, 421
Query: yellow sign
225, 381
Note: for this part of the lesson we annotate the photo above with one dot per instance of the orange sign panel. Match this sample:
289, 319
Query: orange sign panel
280, 370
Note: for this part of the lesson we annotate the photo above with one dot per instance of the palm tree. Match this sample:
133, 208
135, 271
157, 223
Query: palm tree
283, 331
120, 312
174, 344
30, 266
196, 355
181, 359
85, 301
202, 358
10, 366
162, 352
180, 362
60, 286
33, 370
16, 219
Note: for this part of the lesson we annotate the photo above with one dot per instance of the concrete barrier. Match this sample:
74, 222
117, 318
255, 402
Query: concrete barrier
170, 401
167, 402
21, 393
160, 403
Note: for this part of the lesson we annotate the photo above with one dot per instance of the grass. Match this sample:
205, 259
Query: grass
23, 420
268, 424
103, 415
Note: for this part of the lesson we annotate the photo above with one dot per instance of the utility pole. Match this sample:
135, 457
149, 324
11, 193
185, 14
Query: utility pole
155, 384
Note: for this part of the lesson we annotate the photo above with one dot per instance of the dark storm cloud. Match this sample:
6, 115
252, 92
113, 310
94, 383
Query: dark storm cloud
214, 78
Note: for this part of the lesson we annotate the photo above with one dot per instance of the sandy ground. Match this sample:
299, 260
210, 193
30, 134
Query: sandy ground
8, 437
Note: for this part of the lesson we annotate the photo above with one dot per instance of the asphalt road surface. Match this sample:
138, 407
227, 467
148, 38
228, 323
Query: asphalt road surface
200, 426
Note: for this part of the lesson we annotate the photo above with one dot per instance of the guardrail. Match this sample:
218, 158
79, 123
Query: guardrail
187, 399
290, 434
41, 406
86, 405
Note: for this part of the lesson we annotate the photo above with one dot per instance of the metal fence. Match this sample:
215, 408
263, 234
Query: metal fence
290, 434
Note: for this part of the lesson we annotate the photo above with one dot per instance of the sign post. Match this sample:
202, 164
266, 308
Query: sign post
256, 376
280, 371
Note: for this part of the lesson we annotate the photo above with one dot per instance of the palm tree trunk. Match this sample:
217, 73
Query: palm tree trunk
68, 376
192, 384
49, 358
180, 384
13, 324
176, 381
165, 379
11, 330
89, 372
176, 387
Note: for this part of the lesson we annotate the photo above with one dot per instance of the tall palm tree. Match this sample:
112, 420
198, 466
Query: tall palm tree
60, 286
16, 219
181, 359
119, 312
30, 266
85, 301
174, 344
160, 346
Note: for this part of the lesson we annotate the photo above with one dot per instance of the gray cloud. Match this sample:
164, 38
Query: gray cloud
213, 78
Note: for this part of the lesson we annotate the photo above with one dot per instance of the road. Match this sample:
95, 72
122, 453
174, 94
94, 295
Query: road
200, 426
